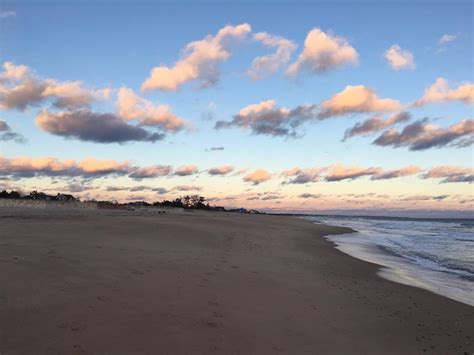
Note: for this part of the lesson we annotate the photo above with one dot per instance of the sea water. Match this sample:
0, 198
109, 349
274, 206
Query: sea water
434, 254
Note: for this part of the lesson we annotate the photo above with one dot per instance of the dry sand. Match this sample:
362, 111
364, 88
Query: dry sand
84, 281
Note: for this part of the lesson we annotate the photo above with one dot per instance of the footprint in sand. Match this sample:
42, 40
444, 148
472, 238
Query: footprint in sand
217, 314
213, 304
212, 324
78, 349
75, 326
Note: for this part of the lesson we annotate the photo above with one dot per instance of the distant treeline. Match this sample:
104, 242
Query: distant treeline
193, 202
38, 196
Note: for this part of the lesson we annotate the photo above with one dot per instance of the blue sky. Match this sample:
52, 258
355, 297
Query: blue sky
107, 45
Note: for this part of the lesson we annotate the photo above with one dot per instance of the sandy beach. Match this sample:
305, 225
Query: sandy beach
88, 281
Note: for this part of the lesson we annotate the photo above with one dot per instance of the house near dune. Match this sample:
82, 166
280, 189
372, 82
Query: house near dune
65, 198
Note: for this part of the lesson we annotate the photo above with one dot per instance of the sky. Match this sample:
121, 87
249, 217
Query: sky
300, 106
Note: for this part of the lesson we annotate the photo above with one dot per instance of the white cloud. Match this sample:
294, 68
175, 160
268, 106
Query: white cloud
268, 119
446, 38
199, 61
20, 89
399, 58
13, 72
357, 99
323, 52
440, 92
267, 65
132, 107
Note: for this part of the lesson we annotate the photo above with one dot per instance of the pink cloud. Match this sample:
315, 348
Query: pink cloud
199, 61
258, 176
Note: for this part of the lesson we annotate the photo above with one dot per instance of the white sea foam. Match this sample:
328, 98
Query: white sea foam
437, 255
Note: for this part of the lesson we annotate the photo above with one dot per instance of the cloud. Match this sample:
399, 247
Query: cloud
13, 72
49, 166
116, 188
150, 172
440, 92
268, 119
339, 172
75, 187
308, 195
356, 99
302, 176
186, 170
72, 95
323, 52
137, 198
444, 41
22, 167
268, 197
265, 196
239, 172
7, 14
257, 176
7, 134
87, 168
94, 127
391, 174
214, 149
27, 93
159, 190
449, 173
199, 61
421, 135
92, 166
446, 38
398, 58
266, 65
132, 107
221, 170
19, 89
375, 123
187, 188
425, 198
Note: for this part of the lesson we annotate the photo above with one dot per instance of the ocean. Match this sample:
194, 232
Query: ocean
434, 254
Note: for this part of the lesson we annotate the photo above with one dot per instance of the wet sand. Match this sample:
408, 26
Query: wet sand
86, 281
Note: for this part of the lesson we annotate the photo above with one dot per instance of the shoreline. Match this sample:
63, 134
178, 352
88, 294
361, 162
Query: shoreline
396, 268
206, 282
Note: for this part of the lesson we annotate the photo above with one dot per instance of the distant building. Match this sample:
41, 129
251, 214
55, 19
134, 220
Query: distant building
65, 197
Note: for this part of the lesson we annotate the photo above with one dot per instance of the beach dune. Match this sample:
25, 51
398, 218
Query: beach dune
87, 281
